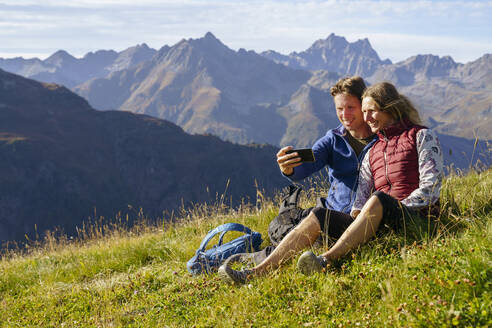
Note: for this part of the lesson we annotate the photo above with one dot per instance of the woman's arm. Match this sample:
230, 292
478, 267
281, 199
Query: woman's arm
431, 171
365, 186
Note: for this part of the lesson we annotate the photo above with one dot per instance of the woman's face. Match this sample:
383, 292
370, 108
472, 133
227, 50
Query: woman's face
375, 118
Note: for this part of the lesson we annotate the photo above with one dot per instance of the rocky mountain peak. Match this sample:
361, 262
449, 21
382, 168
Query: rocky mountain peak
131, 57
190, 54
161, 53
142, 46
100, 54
332, 41
430, 65
60, 54
362, 44
484, 60
333, 54
210, 36
209, 43
429, 59
415, 68
476, 74
138, 50
60, 58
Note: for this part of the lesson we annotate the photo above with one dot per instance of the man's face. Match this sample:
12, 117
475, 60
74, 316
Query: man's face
349, 113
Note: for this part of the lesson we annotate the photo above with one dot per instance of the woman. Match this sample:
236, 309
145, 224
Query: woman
405, 168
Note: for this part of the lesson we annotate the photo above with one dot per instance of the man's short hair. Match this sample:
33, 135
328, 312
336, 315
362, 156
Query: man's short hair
353, 86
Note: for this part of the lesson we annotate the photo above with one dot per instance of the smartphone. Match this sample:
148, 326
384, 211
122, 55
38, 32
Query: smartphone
306, 154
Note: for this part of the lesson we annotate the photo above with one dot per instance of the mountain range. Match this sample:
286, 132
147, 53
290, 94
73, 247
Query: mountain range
206, 87
77, 154
64, 162
63, 68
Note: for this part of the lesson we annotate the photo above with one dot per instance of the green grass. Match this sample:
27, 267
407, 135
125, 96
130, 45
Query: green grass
137, 277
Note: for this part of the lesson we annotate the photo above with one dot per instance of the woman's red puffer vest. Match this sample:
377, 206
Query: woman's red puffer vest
394, 160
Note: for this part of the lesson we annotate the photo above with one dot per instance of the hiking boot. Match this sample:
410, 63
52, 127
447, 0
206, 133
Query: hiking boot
232, 276
251, 258
309, 263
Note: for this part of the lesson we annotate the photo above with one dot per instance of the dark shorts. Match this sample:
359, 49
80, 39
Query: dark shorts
332, 223
396, 216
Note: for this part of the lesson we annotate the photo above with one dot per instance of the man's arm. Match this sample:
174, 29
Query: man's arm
322, 150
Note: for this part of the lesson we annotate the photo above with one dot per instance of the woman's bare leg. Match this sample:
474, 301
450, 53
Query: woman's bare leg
302, 236
360, 231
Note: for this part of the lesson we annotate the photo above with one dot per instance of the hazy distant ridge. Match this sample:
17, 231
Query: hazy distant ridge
63, 162
241, 96
63, 68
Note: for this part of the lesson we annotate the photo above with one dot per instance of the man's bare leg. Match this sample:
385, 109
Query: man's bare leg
302, 236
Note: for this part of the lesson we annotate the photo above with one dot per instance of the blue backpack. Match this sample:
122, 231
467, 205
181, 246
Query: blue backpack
210, 260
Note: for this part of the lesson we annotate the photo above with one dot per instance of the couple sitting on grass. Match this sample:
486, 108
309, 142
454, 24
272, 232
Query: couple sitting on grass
385, 170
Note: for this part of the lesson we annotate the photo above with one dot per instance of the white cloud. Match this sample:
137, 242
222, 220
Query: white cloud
80, 26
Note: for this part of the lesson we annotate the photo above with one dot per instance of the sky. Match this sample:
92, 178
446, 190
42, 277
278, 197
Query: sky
396, 29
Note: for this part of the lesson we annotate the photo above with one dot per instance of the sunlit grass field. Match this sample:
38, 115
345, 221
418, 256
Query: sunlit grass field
438, 275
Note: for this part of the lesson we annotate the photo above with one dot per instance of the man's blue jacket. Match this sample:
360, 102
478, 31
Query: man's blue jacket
343, 164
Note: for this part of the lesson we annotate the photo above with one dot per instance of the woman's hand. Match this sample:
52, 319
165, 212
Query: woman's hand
354, 213
287, 162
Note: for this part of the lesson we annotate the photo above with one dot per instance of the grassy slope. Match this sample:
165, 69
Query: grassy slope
139, 279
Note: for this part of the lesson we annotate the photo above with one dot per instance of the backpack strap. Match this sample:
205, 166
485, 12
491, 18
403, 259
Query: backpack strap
221, 229
290, 201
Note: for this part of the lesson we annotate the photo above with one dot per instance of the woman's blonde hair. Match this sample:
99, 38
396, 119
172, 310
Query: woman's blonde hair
390, 101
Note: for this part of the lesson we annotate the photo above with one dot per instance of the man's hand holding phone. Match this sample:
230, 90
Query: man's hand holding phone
288, 158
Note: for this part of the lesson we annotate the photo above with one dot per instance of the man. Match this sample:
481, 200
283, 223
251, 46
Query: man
341, 150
